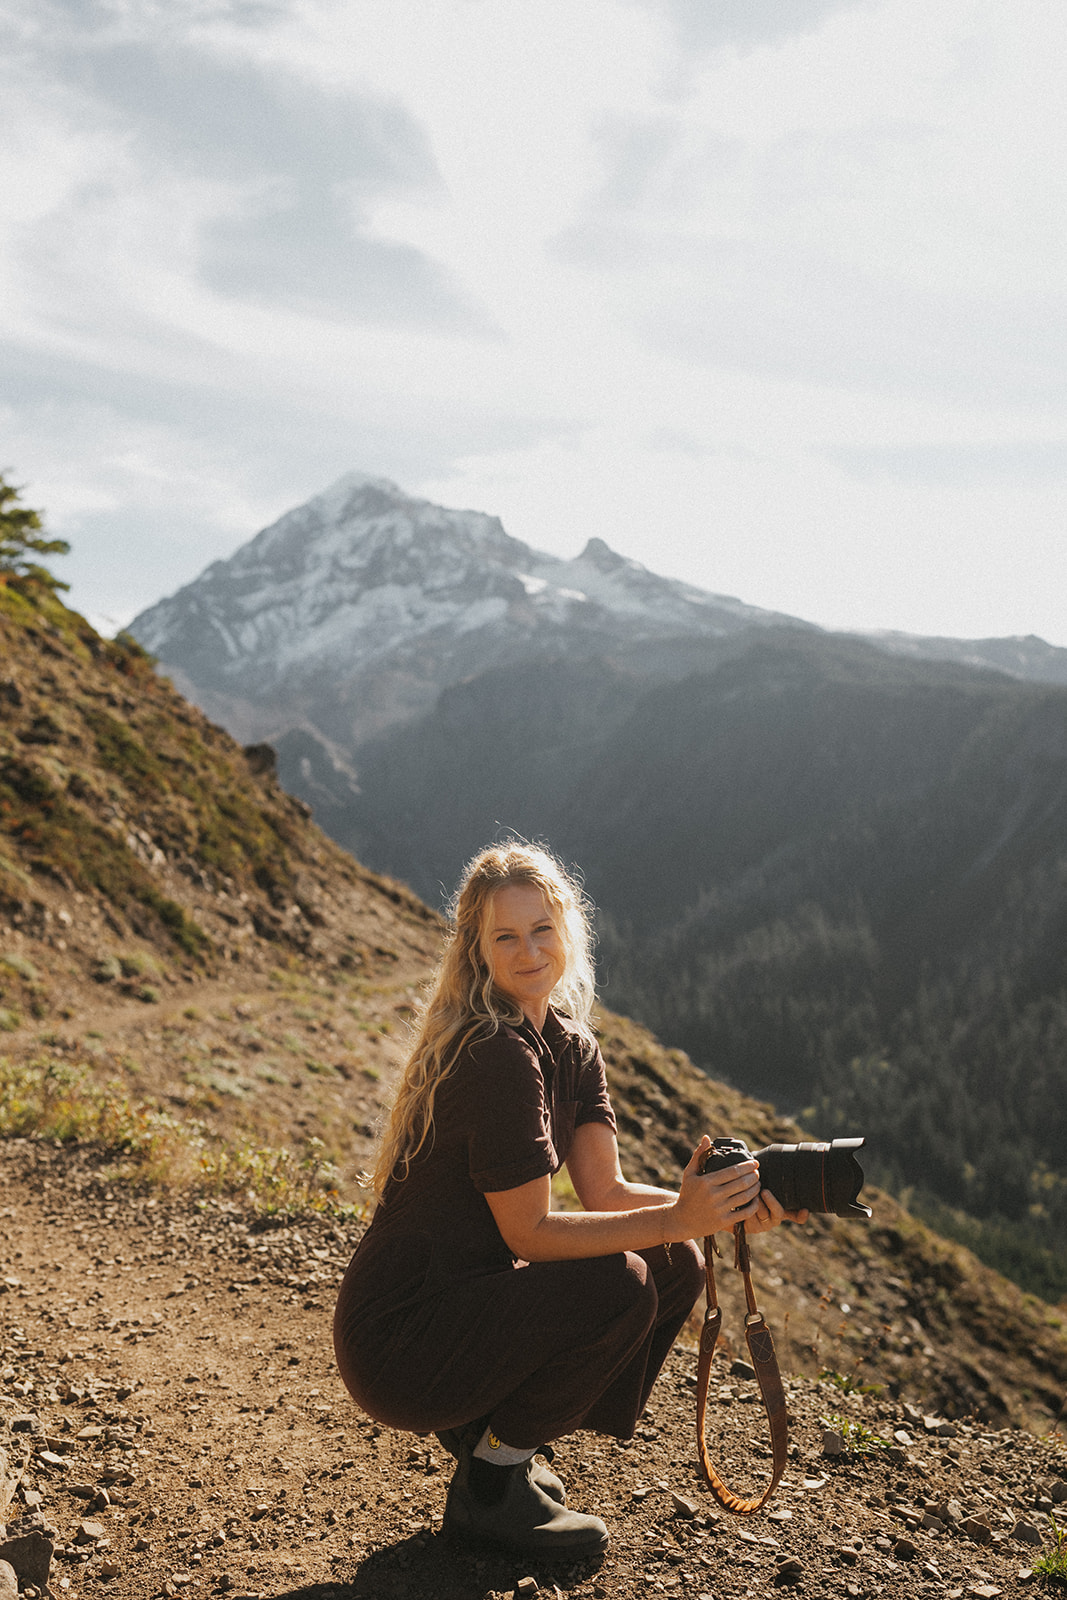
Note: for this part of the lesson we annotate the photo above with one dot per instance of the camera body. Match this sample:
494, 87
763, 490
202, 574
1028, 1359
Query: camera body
802, 1177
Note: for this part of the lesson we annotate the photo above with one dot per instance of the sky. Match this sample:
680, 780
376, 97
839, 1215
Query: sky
768, 294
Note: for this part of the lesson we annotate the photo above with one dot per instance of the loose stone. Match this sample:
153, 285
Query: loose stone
789, 1570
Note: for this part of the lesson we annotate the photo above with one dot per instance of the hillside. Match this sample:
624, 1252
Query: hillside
205, 1002
175, 923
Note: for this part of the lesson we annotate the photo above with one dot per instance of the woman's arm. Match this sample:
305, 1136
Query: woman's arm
619, 1215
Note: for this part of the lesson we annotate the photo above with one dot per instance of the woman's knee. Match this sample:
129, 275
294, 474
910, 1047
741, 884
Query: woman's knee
687, 1267
623, 1288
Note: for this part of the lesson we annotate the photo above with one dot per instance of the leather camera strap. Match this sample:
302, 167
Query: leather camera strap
765, 1362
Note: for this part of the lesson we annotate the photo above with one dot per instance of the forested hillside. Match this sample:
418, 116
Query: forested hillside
836, 879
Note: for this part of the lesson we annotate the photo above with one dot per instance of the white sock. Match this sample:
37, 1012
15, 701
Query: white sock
490, 1448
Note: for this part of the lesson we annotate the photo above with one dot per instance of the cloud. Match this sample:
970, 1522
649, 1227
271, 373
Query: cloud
302, 250
151, 479
286, 172
1028, 461
815, 318
708, 24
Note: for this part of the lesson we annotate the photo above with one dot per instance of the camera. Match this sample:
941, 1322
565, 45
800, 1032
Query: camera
803, 1177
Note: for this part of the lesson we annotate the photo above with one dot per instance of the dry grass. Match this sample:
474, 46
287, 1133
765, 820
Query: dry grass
66, 1103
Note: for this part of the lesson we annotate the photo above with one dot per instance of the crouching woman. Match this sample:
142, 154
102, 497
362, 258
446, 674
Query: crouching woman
471, 1309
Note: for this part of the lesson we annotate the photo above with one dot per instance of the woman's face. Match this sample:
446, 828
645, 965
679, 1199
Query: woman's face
524, 948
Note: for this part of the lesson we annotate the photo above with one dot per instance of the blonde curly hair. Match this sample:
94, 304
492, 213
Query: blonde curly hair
464, 1004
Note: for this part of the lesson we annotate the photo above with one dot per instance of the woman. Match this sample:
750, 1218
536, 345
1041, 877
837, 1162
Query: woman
471, 1308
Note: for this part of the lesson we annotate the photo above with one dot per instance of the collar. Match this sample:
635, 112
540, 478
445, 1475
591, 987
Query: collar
549, 1042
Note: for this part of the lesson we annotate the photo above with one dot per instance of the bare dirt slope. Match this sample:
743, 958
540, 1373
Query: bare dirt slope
175, 1425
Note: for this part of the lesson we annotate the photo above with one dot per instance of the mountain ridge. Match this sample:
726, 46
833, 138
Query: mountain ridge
355, 609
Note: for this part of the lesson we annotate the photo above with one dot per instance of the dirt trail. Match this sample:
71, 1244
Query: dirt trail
166, 1369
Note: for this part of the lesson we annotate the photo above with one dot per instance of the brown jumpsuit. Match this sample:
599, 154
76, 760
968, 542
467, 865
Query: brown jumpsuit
437, 1324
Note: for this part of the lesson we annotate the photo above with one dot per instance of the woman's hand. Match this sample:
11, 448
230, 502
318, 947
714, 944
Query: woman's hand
714, 1201
769, 1214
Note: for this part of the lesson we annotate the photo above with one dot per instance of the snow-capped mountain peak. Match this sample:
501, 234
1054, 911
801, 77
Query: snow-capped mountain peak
365, 585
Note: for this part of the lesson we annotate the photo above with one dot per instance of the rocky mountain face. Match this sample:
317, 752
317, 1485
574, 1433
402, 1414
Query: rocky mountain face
352, 612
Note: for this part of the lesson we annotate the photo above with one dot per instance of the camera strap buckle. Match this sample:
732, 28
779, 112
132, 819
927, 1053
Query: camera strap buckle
764, 1361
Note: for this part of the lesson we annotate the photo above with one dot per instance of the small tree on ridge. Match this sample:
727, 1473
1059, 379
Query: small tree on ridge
22, 541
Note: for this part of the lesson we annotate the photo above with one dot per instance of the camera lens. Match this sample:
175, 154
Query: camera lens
814, 1177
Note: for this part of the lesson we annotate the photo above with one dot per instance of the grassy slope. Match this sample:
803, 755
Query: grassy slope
179, 941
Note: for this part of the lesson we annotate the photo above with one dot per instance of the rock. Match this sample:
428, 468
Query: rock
741, 1369
31, 1556
984, 1591
1058, 1492
10, 1475
977, 1530
832, 1443
683, 1507
789, 1570
90, 1533
526, 1586
954, 1512
932, 1523
905, 1550
9, 1584
1026, 1533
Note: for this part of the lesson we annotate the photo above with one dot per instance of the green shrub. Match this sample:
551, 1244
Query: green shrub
136, 964
1052, 1564
858, 1438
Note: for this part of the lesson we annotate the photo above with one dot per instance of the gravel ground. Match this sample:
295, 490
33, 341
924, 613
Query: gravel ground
173, 1424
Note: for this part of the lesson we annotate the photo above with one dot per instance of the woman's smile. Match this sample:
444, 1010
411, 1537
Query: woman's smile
524, 948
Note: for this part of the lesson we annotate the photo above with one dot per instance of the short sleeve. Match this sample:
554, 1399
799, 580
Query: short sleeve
509, 1139
594, 1102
